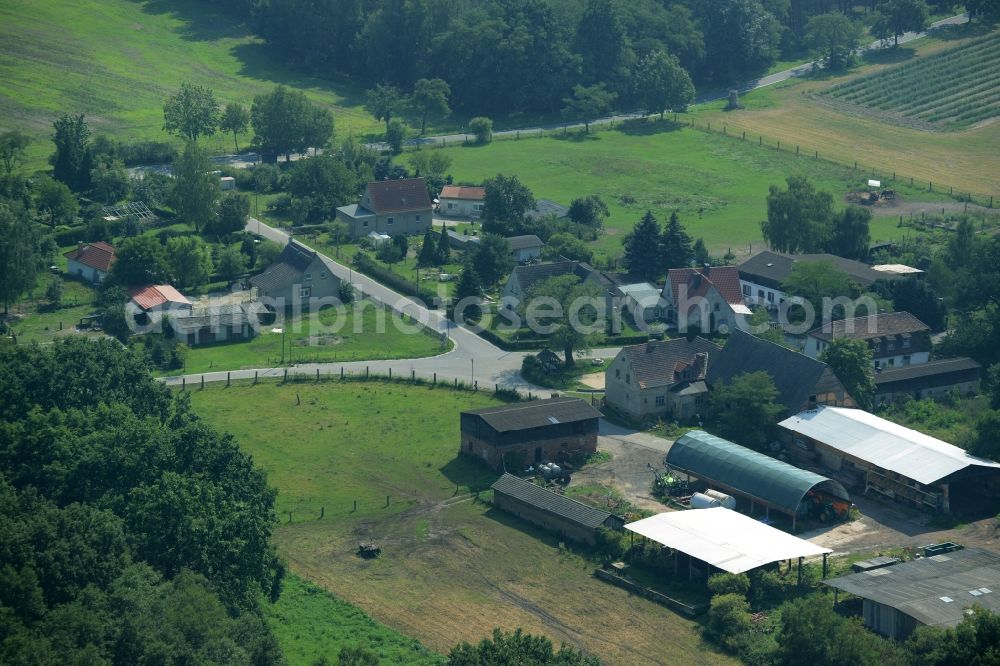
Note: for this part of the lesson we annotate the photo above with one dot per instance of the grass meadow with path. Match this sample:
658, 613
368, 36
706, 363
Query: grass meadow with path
452, 568
717, 183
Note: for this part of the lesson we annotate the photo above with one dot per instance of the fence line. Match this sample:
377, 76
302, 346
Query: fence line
979, 199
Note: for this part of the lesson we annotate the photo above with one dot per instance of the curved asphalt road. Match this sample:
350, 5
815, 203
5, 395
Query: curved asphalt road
472, 359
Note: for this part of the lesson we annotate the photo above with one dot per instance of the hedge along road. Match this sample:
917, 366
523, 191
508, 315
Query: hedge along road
472, 359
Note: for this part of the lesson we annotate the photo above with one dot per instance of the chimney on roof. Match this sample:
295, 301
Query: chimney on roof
701, 364
650, 345
707, 268
79, 247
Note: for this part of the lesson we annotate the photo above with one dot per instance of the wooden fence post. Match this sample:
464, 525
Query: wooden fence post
366, 372
228, 377
285, 378
317, 374
255, 377
435, 379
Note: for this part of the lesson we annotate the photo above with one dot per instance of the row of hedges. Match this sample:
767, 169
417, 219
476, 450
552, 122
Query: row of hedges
368, 266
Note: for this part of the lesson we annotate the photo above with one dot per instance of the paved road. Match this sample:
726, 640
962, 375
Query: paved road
472, 358
249, 159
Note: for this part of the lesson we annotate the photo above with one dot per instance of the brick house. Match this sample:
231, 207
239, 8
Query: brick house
660, 378
391, 207
524, 433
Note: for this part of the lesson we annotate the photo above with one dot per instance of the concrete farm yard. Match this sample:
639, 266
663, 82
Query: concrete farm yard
452, 568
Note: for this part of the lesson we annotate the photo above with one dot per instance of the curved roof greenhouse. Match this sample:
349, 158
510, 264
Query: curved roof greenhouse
735, 468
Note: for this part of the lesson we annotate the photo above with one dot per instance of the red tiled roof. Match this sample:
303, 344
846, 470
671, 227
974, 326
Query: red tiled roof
725, 279
150, 296
399, 196
468, 192
97, 255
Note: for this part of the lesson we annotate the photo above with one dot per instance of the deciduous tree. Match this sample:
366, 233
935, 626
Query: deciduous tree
13, 144
492, 259
56, 201
430, 98
661, 84
284, 121
588, 103
140, 260
235, 119
196, 188
745, 410
190, 260
231, 262
798, 218
482, 128
191, 112
231, 215
505, 204
516, 647
849, 235
589, 211
894, 17
72, 161
566, 246
577, 319
19, 266
384, 102
834, 37
851, 361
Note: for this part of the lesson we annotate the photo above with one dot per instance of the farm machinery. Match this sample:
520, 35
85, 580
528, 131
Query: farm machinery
369, 550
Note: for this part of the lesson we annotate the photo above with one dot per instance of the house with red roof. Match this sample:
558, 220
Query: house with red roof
391, 207
156, 298
462, 200
707, 299
90, 261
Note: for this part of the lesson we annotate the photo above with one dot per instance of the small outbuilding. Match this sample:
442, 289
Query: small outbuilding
757, 478
935, 591
90, 261
524, 433
525, 248
723, 539
565, 517
933, 379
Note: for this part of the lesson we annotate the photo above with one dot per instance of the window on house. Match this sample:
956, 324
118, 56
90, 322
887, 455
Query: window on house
716, 307
628, 379
322, 275
450, 206
906, 360
390, 220
906, 343
891, 362
746, 290
890, 345
364, 223
479, 207
418, 218
618, 374
770, 297
661, 401
760, 293
305, 292
309, 276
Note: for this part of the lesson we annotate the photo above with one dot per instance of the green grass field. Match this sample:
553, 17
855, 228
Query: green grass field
797, 113
718, 184
117, 60
952, 89
451, 568
34, 320
302, 621
361, 331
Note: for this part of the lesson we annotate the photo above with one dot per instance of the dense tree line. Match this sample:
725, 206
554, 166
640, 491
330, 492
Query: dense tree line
499, 57
133, 532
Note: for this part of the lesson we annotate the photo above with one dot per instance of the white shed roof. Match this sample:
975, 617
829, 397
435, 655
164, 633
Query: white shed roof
883, 443
723, 538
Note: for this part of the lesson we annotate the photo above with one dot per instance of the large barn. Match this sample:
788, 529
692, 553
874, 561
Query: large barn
762, 481
890, 459
524, 433
934, 591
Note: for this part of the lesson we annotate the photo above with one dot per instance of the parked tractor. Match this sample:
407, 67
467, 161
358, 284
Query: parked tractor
369, 550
